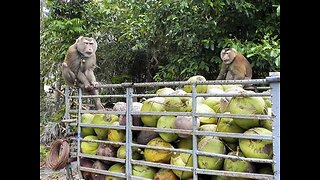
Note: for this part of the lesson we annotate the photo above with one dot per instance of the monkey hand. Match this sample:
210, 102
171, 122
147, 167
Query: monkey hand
88, 87
95, 84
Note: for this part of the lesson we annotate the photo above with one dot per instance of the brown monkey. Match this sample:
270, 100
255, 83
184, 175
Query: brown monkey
79, 64
234, 65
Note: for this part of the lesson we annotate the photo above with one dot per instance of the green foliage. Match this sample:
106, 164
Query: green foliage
153, 40
43, 153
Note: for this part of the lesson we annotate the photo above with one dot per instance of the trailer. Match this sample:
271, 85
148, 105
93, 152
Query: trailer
268, 87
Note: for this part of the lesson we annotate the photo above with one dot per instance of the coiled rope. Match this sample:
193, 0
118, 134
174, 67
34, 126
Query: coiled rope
59, 155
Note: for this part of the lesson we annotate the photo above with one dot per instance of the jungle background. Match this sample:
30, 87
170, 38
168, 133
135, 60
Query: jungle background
151, 40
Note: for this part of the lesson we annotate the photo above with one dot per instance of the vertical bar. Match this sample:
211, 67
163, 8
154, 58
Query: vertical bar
275, 97
67, 103
67, 116
129, 91
194, 136
79, 131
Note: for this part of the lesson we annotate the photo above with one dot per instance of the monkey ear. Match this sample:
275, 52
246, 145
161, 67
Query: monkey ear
79, 39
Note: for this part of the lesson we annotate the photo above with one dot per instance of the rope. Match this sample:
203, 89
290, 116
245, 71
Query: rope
59, 155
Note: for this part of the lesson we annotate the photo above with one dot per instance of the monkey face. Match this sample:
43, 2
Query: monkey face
227, 55
87, 46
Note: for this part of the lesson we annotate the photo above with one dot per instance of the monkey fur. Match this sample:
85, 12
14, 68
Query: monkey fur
234, 65
78, 67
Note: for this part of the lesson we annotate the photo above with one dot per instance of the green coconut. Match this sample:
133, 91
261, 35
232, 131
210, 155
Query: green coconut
115, 135
184, 143
214, 86
155, 104
103, 119
86, 131
165, 174
136, 152
143, 171
212, 145
207, 127
199, 88
213, 103
167, 122
246, 105
203, 108
182, 159
237, 165
118, 167
164, 91
89, 147
156, 155
227, 87
188, 107
267, 123
252, 148
228, 125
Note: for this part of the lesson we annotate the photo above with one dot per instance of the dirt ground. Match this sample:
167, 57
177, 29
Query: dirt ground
48, 174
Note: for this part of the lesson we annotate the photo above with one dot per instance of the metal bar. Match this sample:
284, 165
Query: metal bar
129, 91
105, 126
194, 136
235, 174
105, 172
103, 141
217, 82
102, 158
257, 160
239, 116
79, 130
240, 94
275, 99
161, 165
103, 112
162, 148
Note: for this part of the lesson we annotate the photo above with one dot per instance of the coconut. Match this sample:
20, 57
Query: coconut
164, 91
176, 104
167, 122
85, 162
98, 165
143, 171
121, 153
182, 159
252, 148
86, 131
184, 122
155, 155
115, 135
214, 86
207, 127
212, 145
227, 87
213, 103
136, 119
228, 125
106, 150
89, 147
103, 119
203, 108
118, 167
237, 165
246, 105
224, 102
145, 136
155, 104
184, 143
120, 106
267, 123
199, 88
188, 107
165, 174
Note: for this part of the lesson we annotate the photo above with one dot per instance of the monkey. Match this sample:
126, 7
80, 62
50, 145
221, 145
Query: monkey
79, 65
234, 65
